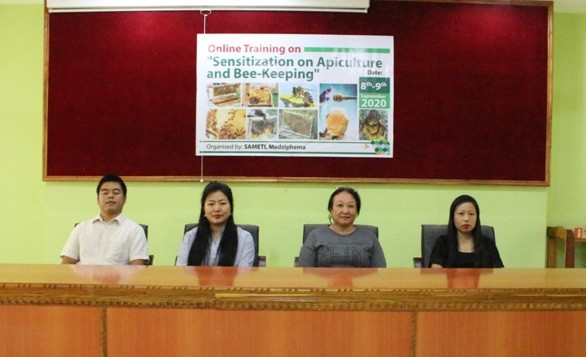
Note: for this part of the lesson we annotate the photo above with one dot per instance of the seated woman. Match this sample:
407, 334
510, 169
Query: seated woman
216, 240
464, 246
342, 244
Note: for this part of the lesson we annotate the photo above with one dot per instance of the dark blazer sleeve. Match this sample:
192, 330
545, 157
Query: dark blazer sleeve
494, 257
439, 254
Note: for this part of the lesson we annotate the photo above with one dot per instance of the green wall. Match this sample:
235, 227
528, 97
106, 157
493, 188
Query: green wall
37, 216
567, 194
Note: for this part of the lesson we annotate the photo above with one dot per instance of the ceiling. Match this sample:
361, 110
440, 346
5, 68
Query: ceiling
566, 6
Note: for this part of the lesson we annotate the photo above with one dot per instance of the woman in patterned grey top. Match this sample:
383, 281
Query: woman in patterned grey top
342, 244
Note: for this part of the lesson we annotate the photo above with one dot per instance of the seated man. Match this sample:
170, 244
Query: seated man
110, 237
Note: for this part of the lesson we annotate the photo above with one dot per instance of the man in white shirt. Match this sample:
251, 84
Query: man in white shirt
109, 238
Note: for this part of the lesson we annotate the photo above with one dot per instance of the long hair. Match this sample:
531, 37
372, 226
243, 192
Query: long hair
229, 240
452, 241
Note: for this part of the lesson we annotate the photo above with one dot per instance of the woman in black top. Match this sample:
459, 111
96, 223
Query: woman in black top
464, 246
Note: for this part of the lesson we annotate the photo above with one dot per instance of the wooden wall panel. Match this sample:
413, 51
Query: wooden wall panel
50, 331
181, 332
501, 333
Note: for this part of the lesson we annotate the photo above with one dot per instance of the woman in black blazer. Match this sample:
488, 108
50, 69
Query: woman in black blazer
464, 246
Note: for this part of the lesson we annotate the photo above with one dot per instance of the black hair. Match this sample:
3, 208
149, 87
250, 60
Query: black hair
452, 241
111, 178
351, 191
229, 241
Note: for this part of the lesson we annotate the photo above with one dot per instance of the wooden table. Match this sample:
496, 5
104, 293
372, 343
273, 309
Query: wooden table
566, 235
54, 310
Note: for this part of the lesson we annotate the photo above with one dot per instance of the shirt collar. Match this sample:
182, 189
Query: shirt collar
120, 218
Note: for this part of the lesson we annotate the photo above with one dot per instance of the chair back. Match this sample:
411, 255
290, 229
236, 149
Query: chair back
307, 228
431, 232
252, 229
145, 227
